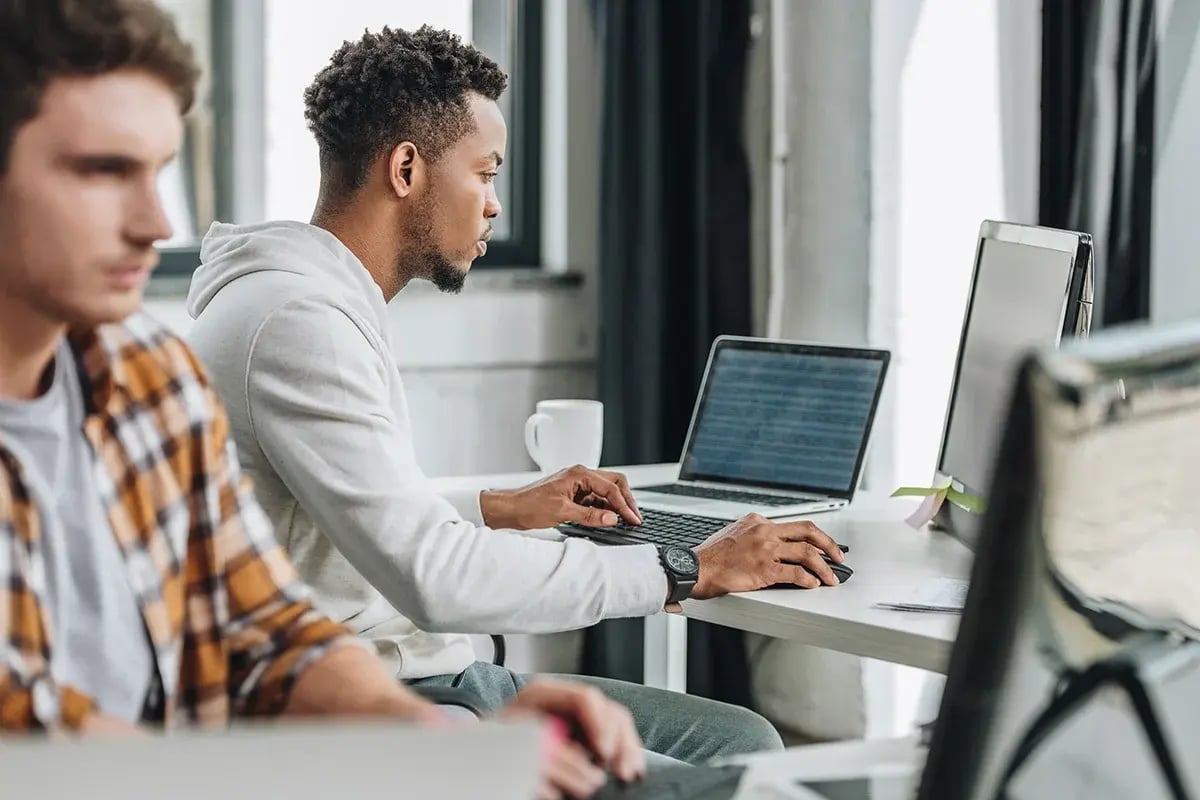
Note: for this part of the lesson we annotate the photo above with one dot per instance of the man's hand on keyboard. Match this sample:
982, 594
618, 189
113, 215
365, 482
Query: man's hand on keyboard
754, 553
589, 497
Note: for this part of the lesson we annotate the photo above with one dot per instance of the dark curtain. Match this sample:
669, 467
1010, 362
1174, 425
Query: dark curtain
1098, 85
674, 259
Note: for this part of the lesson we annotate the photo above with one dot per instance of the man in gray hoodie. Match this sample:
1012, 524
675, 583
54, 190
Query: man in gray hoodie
291, 321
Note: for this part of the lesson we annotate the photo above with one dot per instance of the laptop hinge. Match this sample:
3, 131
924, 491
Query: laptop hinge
757, 490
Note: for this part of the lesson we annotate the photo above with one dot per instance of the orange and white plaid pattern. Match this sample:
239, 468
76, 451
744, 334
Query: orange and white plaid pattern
230, 623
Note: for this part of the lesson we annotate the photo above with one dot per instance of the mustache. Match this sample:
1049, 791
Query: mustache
487, 235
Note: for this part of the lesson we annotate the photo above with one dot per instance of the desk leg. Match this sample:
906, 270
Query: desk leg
665, 653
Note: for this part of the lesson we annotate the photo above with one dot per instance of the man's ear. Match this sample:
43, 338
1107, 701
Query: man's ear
405, 167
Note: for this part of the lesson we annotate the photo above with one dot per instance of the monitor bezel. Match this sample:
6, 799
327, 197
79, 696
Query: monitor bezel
1074, 318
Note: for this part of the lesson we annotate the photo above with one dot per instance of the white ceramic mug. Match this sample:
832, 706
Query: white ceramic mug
563, 433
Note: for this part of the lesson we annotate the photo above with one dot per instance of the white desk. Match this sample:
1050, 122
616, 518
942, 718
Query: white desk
888, 559
769, 775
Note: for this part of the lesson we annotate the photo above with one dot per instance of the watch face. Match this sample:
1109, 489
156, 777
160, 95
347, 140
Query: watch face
681, 560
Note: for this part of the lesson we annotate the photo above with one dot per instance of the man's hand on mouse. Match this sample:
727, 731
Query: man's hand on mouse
754, 553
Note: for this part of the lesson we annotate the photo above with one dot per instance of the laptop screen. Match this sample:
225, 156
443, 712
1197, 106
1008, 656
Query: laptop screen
787, 416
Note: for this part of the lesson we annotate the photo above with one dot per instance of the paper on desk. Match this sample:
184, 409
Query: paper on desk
940, 595
927, 510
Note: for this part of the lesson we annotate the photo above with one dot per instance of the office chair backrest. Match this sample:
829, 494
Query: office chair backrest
1085, 570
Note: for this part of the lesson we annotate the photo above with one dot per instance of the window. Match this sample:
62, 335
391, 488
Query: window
248, 155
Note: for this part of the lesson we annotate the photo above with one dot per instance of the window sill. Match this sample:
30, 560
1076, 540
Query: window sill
489, 279
508, 279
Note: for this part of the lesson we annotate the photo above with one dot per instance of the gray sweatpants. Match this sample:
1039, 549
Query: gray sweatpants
678, 727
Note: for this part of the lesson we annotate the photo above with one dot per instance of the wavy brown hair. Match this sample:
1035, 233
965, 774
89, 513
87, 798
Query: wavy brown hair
41, 40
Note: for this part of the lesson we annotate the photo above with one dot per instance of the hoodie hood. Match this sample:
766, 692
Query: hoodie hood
229, 252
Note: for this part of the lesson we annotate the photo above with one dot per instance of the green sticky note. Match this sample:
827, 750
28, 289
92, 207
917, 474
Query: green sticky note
949, 489
967, 502
915, 491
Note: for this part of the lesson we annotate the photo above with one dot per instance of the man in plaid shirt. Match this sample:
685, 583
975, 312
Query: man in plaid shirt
140, 584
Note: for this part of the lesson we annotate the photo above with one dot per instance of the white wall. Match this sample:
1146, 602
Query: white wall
1175, 271
827, 188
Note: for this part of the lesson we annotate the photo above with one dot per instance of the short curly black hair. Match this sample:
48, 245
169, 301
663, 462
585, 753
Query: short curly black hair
41, 40
390, 87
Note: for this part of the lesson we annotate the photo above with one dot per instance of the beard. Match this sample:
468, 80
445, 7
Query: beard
446, 277
437, 269
422, 258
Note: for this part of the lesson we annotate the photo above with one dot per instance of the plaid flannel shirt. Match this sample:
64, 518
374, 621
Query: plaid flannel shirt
230, 623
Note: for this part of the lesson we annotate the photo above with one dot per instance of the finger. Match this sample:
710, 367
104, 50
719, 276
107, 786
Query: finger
571, 770
596, 516
585, 705
797, 575
590, 500
611, 492
622, 483
629, 761
808, 532
547, 791
600, 725
808, 556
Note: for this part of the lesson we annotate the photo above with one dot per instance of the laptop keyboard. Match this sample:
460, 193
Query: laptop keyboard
662, 527
732, 495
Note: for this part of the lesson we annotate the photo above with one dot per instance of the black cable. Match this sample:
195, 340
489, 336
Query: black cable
499, 650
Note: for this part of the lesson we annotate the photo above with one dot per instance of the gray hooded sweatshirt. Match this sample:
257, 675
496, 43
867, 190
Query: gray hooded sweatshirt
293, 330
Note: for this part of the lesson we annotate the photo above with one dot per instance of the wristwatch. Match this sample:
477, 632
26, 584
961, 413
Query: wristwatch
683, 570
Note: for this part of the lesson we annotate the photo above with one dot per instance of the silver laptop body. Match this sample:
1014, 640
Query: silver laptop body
779, 429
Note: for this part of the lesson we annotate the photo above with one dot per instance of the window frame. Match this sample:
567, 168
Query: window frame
521, 249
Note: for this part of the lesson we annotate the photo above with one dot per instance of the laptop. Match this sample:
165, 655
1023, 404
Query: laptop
779, 429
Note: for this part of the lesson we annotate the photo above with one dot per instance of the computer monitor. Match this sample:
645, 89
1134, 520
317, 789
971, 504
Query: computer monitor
1031, 287
1089, 545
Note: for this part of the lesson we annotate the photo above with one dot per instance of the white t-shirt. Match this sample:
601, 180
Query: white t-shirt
99, 643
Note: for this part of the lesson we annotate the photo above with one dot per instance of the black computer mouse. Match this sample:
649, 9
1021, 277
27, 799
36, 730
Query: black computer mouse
841, 570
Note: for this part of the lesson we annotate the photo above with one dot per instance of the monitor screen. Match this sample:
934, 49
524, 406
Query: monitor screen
786, 416
1016, 304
